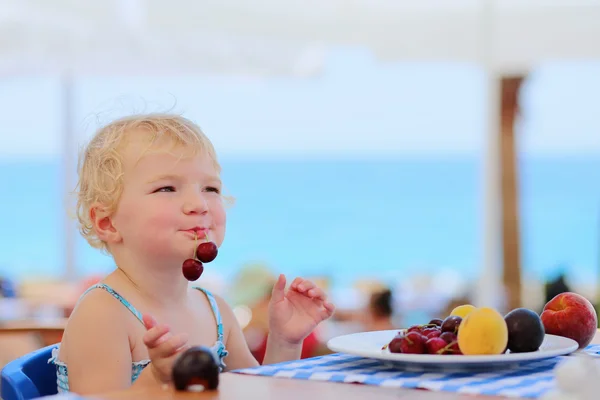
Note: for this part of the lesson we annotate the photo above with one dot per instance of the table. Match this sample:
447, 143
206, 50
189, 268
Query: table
20, 337
49, 331
239, 386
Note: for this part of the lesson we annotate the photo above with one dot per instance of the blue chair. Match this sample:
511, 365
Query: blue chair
29, 376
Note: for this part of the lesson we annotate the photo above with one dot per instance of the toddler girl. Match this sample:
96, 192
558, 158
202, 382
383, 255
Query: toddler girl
149, 188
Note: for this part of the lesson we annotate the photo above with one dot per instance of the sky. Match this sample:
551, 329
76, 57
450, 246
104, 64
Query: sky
357, 106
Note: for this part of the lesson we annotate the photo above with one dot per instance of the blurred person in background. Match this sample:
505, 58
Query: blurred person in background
556, 287
7, 288
379, 311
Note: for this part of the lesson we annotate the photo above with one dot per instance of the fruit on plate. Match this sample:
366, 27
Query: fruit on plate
454, 348
483, 332
413, 343
394, 344
571, 315
431, 332
436, 322
436, 346
525, 330
462, 311
424, 339
449, 337
451, 324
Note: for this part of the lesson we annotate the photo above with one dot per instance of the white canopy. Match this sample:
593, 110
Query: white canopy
287, 37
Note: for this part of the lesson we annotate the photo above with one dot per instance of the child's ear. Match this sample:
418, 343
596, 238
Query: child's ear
101, 220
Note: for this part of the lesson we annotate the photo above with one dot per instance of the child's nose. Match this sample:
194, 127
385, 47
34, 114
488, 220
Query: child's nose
195, 204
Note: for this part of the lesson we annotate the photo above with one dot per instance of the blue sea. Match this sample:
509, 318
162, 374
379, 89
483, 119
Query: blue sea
342, 218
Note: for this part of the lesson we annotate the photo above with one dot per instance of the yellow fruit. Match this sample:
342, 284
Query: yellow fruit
483, 331
463, 311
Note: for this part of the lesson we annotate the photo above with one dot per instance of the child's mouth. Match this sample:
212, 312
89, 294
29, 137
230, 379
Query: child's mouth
199, 233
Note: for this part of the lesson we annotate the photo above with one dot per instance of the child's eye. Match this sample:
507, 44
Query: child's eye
213, 189
165, 189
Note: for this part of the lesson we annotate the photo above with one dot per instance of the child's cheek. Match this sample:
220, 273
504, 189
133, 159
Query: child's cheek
160, 215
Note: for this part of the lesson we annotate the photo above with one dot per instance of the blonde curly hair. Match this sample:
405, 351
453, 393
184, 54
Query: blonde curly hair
101, 163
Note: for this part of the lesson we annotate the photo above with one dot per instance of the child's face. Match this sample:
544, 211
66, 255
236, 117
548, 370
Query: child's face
166, 195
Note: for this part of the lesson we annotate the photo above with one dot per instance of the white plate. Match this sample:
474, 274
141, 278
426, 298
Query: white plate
369, 345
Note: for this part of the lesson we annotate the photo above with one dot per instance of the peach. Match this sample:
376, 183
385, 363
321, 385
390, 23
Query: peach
571, 315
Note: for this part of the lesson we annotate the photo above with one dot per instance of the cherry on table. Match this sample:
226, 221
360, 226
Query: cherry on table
196, 366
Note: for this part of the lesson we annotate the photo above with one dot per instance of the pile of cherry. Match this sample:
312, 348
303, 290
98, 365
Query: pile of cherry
205, 252
436, 337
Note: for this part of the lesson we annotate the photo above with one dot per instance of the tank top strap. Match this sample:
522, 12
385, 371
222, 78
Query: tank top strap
117, 296
216, 312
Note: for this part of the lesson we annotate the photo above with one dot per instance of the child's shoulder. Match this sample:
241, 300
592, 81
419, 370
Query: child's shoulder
220, 303
97, 318
211, 296
96, 308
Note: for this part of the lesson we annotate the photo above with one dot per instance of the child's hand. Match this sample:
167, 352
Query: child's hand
294, 314
163, 348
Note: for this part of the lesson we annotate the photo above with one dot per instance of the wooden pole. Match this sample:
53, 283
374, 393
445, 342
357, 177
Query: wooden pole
488, 290
510, 87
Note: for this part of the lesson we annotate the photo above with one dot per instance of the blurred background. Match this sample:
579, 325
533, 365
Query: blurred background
409, 156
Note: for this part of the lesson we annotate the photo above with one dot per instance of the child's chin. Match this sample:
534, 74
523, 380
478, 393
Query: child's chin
168, 256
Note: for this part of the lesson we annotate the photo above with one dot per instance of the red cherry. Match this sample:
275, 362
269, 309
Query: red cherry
436, 346
436, 321
449, 337
413, 343
415, 328
431, 332
192, 269
395, 345
207, 251
454, 349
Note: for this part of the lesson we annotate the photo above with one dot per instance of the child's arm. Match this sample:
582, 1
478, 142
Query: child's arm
293, 314
96, 346
239, 354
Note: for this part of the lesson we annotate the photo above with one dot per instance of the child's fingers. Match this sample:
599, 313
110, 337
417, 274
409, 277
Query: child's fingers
317, 294
296, 282
329, 307
149, 321
152, 337
328, 310
278, 292
171, 346
305, 286
163, 339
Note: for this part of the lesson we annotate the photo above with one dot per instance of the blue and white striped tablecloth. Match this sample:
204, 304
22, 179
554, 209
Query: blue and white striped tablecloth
530, 380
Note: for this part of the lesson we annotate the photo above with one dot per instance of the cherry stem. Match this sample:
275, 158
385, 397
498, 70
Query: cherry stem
195, 244
447, 347
207, 239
